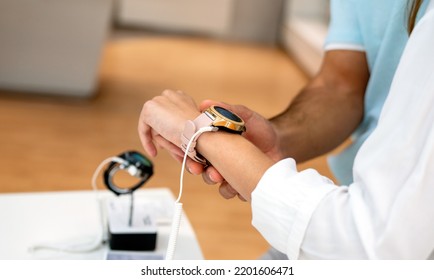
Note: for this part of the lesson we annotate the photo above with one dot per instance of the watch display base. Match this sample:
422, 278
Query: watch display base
136, 234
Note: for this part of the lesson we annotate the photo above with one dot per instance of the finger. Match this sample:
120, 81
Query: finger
176, 153
240, 197
176, 157
213, 175
207, 180
227, 191
167, 145
194, 167
145, 135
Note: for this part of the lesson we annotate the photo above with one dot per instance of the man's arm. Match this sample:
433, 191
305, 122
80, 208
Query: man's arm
320, 118
327, 110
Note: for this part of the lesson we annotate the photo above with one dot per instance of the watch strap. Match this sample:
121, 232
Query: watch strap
191, 127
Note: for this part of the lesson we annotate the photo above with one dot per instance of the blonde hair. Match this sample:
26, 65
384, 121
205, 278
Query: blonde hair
414, 6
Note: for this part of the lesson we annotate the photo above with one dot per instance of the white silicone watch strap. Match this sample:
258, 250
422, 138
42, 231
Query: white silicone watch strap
191, 127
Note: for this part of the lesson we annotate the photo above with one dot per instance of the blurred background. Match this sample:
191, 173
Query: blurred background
74, 75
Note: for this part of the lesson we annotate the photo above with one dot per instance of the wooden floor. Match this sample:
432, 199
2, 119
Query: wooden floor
55, 144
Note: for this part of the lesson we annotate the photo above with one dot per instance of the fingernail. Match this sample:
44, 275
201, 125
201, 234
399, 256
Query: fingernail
211, 177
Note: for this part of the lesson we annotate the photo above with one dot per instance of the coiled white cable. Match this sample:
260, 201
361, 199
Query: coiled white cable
176, 222
177, 213
84, 247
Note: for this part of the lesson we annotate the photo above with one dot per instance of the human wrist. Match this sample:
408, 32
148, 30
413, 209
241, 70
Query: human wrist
240, 162
181, 128
214, 118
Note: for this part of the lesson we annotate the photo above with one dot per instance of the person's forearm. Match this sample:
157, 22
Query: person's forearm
328, 109
240, 162
316, 122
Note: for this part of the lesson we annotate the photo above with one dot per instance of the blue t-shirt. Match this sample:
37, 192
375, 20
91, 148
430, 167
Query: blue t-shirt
378, 27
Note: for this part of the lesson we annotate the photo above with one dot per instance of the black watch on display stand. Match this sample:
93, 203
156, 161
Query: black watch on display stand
136, 165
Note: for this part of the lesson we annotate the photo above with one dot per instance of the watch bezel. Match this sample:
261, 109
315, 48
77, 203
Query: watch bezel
224, 122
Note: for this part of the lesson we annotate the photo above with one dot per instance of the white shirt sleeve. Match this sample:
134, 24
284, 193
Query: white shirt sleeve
388, 212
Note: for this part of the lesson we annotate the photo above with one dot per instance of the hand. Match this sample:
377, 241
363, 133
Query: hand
259, 131
162, 121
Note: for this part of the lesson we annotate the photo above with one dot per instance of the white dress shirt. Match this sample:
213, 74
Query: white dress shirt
388, 212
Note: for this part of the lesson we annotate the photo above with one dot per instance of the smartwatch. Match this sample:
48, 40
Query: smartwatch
136, 165
215, 117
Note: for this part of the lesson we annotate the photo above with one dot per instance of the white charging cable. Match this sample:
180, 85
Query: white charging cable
84, 247
177, 213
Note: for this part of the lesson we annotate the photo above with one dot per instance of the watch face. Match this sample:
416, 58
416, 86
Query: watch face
227, 114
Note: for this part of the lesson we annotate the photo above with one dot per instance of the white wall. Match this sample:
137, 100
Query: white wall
203, 16
316, 10
256, 20
246, 20
304, 30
